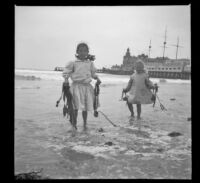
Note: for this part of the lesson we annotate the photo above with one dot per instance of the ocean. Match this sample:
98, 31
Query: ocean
142, 149
106, 78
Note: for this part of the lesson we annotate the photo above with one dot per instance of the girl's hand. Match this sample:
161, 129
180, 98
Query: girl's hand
98, 81
124, 90
66, 81
156, 87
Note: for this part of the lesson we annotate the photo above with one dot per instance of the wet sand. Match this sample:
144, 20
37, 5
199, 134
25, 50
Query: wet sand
139, 150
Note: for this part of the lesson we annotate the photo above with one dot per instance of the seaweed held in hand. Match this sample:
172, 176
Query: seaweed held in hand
68, 108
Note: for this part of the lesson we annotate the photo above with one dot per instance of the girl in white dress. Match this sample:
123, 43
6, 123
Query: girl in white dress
138, 89
81, 71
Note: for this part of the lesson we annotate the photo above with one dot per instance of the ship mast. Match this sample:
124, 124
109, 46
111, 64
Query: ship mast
164, 43
149, 48
177, 46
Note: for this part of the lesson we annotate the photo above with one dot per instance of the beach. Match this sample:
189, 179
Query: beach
138, 150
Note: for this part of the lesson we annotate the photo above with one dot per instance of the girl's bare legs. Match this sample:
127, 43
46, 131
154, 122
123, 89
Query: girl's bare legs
72, 120
74, 128
130, 107
138, 111
84, 114
76, 114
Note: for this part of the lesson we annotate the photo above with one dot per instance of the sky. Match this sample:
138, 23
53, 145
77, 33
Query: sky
47, 36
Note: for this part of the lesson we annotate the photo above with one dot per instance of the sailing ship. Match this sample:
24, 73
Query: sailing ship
159, 67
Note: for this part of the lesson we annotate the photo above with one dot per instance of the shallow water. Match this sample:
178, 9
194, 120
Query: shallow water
141, 149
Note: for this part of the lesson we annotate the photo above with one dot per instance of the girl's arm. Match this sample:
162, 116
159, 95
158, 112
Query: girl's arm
149, 84
69, 69
93, 73
129, 85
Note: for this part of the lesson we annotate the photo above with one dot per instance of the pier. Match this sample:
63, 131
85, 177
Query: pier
169, 75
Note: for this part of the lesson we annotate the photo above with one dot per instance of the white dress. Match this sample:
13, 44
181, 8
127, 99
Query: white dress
81, 74
139, 93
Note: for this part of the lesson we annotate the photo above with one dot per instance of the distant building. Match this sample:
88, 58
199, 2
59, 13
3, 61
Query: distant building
156, 67
187, 68
157, 63
116, 67
164, 67
128, 61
